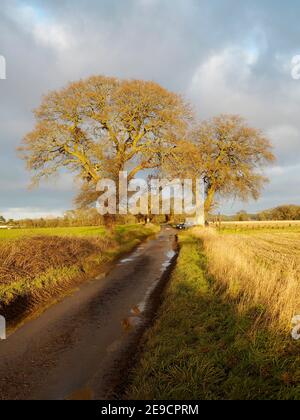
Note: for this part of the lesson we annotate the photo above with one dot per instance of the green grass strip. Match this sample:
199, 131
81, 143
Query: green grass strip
201, 348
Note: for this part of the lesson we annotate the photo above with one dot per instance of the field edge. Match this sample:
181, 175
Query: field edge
202, 348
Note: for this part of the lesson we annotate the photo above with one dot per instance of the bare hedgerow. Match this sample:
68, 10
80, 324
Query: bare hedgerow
29, 257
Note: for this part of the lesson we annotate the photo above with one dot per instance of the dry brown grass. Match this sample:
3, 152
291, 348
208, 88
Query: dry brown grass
259, 271
29, 257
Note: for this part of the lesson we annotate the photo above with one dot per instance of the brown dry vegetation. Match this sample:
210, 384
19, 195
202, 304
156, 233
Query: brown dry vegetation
260, 271
35, 271
29, 257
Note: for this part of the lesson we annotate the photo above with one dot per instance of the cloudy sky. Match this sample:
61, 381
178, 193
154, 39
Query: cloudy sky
226, 56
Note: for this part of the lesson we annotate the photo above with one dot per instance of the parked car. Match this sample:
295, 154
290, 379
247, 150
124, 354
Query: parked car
184, 226
181, 226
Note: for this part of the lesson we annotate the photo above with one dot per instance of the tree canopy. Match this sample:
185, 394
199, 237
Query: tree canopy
229, 155
100, 126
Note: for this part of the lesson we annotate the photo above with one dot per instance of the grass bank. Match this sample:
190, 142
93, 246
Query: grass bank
10, 234
206, 345
37, 270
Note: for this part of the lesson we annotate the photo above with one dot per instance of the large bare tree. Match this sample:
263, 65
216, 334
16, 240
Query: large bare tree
228, 154
101, 126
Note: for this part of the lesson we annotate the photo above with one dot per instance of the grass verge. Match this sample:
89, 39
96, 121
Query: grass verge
202, 347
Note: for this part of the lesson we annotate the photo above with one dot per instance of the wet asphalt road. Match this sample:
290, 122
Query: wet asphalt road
80, 348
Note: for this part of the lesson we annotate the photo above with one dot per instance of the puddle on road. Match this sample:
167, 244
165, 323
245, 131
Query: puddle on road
169, 256
131, 322
165, 265
126, 260
136, 311
134, 320
142, 305
132, 257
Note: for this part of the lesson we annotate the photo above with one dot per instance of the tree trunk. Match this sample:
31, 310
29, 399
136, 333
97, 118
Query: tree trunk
208, 202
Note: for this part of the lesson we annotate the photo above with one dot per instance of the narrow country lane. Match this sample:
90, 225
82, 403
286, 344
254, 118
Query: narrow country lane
81, 347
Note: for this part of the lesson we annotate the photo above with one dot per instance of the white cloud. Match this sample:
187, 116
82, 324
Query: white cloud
286, 139
45, 32
29, 213
228, 82
221, 81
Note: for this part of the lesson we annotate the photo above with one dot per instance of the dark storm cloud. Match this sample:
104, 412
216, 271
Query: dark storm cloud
226, 56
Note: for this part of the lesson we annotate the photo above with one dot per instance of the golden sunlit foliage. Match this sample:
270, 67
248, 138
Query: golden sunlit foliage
229, 155
100, 126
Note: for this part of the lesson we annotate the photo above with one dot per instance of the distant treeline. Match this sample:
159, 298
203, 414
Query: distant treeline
90, 217
285, 212
79, 217
288, 212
